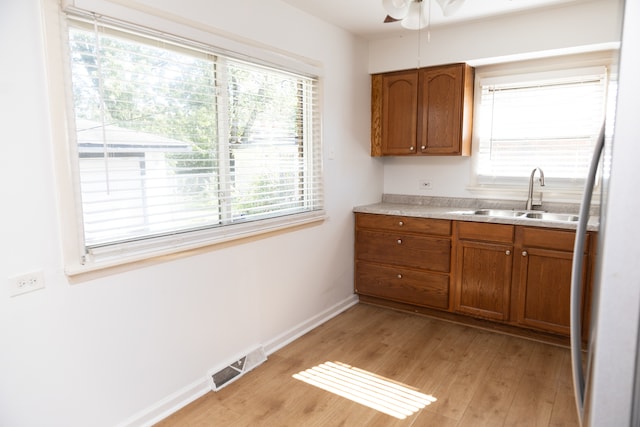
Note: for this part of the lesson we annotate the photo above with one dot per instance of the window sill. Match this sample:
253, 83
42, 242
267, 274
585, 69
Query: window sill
123, 257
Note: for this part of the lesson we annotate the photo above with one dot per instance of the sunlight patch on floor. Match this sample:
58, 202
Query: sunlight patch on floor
366, 388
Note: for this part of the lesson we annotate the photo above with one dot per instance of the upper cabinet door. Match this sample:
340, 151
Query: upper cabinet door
397, 115
424, 112
444, 109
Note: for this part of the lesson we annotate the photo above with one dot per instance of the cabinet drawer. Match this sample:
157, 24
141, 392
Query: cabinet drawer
437, 227
533, 237
405, 285
500, 233
429, 253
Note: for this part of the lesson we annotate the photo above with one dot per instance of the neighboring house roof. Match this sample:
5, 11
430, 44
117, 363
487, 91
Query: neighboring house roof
92, 136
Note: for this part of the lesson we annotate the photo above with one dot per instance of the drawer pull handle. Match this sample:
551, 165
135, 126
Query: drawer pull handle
400, 223
508, 252
399, 276
399, 241
524, 253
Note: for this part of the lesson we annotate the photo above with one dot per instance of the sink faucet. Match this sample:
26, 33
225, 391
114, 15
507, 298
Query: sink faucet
530, 202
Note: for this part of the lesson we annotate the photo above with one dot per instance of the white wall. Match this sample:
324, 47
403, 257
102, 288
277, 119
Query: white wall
579, 26
107, 351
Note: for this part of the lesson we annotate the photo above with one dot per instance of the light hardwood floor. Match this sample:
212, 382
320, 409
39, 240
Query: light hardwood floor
475, 377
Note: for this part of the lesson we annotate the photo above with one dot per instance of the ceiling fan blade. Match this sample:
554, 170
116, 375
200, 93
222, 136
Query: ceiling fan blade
397, 9
390, 19
449, 7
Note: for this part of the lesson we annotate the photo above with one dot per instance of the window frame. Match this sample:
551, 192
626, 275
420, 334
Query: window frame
557, 190
77, 261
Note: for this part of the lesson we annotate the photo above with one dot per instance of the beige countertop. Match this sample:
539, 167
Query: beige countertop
463, 210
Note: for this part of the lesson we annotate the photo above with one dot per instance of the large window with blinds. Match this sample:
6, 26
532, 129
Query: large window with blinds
549, 120
175, 140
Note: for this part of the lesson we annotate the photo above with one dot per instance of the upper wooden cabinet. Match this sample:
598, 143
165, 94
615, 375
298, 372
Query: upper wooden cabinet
445, 100
394, 118
425, 111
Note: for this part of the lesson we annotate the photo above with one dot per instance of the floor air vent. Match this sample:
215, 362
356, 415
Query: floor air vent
236, 369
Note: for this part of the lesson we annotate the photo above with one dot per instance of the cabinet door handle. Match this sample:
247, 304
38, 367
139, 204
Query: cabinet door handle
399, 276
424, 147
411, 148
524, 253
507, 252
400, 223
399, 241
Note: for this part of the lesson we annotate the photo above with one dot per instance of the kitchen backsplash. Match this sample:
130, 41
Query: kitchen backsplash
472, 203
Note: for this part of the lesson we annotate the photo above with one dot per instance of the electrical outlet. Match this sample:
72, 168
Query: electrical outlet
425, 184
24, 283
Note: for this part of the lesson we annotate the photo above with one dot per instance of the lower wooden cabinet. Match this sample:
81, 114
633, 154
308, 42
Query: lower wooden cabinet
402, 284
402, 259
403, 249
543, 266
516, 274
510, 274
483, 269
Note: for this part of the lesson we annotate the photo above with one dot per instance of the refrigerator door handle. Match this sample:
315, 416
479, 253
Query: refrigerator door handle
576, 278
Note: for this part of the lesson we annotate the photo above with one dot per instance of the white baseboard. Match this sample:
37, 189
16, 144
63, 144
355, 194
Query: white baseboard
193, 391
294, 333
168, 405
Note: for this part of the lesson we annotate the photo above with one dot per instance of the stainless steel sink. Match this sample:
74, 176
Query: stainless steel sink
551, 216
499, 212
510, 213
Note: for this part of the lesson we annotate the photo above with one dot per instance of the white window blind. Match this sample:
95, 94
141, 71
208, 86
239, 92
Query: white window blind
173, 138
549, 121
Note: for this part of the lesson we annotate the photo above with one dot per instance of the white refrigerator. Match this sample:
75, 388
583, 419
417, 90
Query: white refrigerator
612, 376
